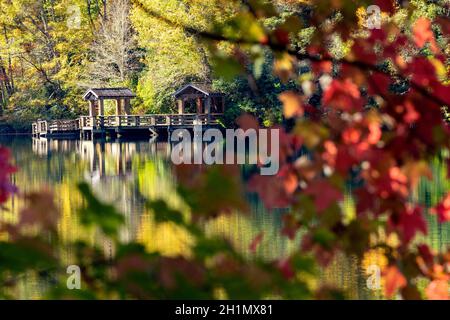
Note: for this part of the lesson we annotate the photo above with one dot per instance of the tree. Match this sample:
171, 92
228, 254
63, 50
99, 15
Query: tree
43, 56
174, 56
115, 56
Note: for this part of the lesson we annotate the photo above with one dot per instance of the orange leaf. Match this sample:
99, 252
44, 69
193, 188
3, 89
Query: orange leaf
292, 104
437, 290
394, 280
422, 34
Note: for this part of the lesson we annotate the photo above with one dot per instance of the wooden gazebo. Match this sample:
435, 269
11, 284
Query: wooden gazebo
97, 96
202, 97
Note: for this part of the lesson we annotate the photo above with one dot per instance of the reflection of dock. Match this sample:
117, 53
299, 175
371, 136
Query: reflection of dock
104, 158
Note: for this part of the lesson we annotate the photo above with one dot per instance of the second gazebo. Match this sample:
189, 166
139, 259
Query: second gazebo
199, 98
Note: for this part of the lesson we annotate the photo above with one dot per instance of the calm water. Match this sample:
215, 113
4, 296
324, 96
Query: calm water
127, 173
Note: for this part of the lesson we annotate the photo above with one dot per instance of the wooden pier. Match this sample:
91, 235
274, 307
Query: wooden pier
196, 104
91, 127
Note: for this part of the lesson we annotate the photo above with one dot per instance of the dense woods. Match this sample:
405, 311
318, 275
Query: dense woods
361, 116
52, 51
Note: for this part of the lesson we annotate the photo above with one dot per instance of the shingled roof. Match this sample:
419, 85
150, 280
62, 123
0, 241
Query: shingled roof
108, 93
204, 88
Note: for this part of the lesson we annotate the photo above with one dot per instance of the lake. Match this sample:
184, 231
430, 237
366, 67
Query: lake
126, 173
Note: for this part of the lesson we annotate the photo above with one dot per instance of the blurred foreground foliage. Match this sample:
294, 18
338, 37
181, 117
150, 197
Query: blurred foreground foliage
362, 121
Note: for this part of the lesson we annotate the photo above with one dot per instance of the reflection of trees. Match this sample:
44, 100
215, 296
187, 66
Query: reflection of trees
128, 173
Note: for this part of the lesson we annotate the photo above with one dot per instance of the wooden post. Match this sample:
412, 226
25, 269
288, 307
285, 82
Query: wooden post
127, 107
102, 108
180, 104
118, 107
208, 105
92, 111
199, 105
223, 104
118, 112
101, 112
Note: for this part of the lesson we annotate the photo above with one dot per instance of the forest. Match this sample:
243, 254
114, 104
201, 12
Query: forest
51, 52
360, 98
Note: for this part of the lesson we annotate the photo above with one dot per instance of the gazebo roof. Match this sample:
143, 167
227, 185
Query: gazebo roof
202, 88
108, 93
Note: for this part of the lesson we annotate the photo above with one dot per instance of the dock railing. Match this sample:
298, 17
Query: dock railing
43, 127
145, 121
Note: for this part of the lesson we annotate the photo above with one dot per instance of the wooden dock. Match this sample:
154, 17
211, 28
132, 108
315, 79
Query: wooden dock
89, 127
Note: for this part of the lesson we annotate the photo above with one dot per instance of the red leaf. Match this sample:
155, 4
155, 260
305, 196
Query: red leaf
343, 95
284, 265
379, 84
410, 222
324, 194
426, 253
394, 280
271, 189
322, 67
443, 209
282, 37
386, 5
256, 242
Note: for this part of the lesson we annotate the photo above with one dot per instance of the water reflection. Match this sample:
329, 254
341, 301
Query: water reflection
126, 173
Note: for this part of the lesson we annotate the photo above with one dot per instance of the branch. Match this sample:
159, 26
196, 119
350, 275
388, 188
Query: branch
281, 48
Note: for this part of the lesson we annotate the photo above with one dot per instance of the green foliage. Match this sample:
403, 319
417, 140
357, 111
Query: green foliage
260, 100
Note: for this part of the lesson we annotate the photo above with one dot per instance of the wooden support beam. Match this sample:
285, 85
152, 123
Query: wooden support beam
118, 107
92, 108
127, 106
199, 105
208, 105
102, 108
180, 104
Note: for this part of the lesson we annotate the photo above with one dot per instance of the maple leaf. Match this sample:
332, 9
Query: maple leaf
437, 290
285, 267
394, 280
423, 34
292, 104
271, 189
386, 5
343, 95
379, 84
324, 194
322, 67
443, 209
410, 222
